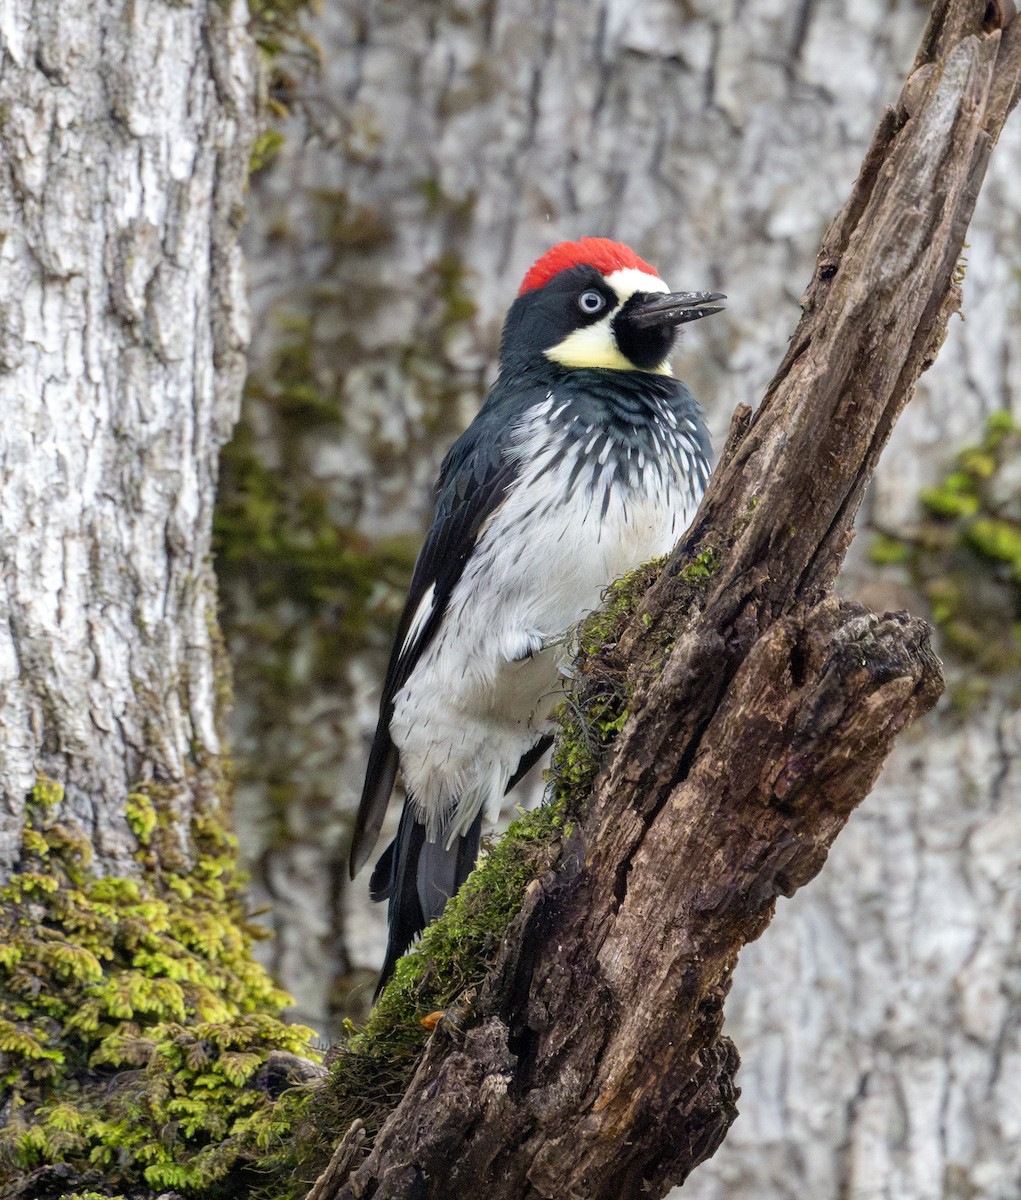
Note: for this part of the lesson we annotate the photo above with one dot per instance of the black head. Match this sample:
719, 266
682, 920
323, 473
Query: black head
613, 312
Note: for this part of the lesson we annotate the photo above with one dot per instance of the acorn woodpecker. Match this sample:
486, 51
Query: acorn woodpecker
586, 459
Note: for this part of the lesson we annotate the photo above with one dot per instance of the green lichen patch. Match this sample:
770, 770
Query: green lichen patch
965, 553
134, 1023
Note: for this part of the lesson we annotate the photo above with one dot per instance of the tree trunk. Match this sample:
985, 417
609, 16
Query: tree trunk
137, 1035
126, 132
759, 710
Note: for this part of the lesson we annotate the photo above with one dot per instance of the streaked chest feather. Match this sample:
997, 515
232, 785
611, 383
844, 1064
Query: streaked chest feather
590, 502
583, 510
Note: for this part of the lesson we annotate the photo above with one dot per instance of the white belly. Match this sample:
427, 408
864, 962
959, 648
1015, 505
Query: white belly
476, 702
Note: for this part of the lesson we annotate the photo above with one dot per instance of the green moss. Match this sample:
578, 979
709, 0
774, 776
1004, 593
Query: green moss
887, 550
966, 552
956, 496
307, 576
264, 151
579, 750
346, 225
620, 600
702, 567
274, 23
999, 425
596, 709
458, 305
47, 793
997, 539
968, 692
133, 1018
454, 210
90, 1195
141, 816
373, 1066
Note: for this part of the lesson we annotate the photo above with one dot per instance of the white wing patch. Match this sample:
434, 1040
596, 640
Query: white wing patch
418, 621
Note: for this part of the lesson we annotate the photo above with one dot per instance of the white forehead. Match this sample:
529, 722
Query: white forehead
628, 280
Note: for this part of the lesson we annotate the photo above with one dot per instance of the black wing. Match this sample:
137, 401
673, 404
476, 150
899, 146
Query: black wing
474, 480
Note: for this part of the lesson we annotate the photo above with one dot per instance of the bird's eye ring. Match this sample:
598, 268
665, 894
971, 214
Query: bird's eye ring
591, 302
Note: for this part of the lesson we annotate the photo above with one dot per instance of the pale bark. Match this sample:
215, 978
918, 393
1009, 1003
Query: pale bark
124, 141
877, 1019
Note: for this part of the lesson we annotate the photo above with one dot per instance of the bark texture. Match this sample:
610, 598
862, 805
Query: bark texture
592, 1086
124, 142
744, 751
140, 1044
879, 1020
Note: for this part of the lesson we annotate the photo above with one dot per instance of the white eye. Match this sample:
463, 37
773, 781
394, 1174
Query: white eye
591, 302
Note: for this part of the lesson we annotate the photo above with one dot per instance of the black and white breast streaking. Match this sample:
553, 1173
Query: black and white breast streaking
587, 459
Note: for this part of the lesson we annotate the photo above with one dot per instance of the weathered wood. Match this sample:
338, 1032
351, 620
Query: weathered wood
597, 1068
341, 1163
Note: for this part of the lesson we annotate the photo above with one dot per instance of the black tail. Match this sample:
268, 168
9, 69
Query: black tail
418, 878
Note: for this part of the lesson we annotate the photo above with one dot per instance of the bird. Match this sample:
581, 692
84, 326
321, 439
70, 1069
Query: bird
586, 459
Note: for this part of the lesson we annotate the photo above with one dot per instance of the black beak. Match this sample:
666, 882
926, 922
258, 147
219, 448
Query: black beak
673, 308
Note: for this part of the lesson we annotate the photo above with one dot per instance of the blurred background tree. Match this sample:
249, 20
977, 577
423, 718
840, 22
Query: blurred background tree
420, 158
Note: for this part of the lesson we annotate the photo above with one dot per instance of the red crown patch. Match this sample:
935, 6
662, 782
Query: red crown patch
601, 253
